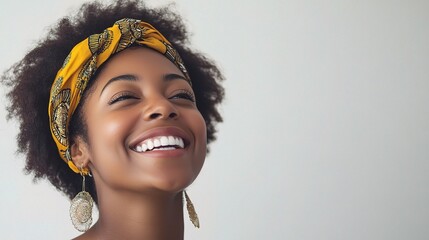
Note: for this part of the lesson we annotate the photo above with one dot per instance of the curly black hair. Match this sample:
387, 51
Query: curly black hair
31, 78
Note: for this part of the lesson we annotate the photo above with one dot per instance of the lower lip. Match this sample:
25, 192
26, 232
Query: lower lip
164, 153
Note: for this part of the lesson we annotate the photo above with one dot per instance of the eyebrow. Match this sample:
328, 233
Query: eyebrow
126, 77
173, 76
129, 77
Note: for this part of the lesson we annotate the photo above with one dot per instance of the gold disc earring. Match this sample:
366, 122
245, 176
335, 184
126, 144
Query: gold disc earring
193, 216
81, 208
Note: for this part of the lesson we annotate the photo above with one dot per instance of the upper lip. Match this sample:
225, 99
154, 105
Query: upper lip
161, 131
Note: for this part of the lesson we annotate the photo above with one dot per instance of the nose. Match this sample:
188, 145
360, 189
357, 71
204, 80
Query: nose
161, 109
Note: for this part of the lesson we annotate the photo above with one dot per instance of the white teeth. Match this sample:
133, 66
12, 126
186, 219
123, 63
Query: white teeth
164, 148
181, 143
171, 140
161, 143
139, 149
156, 143
164, 141
149, 144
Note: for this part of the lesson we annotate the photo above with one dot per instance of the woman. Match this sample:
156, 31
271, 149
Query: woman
130, 111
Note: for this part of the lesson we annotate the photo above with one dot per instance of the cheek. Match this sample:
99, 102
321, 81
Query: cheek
200, 132
113, 126
109, 129
107, 134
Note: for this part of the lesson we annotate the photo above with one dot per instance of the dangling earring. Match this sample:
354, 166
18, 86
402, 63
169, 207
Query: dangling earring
191, 211
81, 208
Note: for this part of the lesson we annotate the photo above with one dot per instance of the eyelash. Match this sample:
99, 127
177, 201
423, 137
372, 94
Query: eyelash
122, 96
183, 94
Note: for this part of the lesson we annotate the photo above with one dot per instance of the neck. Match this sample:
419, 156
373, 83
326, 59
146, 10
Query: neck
139, 216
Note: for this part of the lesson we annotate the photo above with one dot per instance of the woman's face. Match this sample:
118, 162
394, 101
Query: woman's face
144, 129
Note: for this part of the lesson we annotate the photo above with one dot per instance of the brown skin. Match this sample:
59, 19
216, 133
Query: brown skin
140, 194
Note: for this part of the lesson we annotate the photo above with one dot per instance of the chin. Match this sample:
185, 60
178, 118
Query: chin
174, 182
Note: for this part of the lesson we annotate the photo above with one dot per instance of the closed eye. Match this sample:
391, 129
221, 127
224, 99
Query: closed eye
122, 96
184, 94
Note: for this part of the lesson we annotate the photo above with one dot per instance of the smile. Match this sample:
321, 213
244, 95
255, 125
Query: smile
160, 143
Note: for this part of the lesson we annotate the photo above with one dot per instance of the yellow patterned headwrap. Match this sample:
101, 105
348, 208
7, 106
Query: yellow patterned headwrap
81, 64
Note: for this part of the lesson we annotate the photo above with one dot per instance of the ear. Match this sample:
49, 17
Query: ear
80, 152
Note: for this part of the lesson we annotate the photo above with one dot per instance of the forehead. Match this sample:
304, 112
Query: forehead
140, 61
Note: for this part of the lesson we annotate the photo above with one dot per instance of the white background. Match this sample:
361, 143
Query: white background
326, 126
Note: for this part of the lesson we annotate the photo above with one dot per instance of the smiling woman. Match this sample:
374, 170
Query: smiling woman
127, 107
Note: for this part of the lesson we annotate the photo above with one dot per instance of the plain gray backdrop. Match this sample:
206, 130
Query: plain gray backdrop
326, 126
